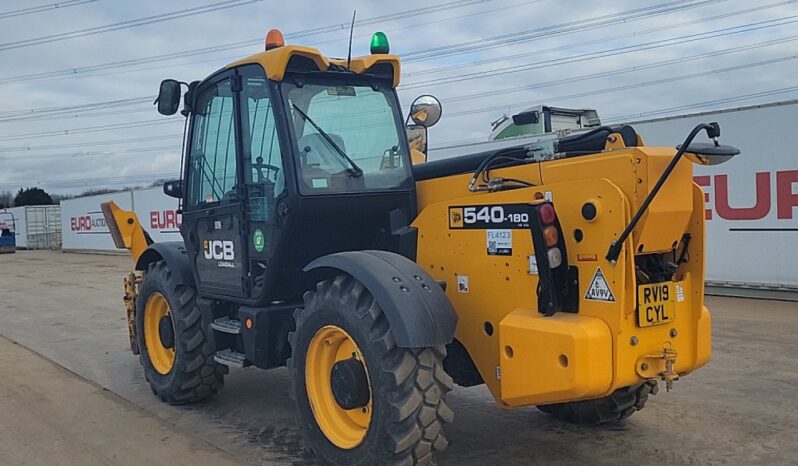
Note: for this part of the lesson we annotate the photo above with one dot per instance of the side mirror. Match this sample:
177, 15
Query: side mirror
173, 188
168, 97
425, 111
417, 138
703, 153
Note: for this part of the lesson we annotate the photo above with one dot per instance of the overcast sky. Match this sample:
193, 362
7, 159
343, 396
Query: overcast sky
481, 58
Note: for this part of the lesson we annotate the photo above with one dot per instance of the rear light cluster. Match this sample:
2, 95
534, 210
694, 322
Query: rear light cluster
551, 234
555, 279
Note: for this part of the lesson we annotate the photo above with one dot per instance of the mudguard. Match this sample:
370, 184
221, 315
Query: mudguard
174, 254
415, 305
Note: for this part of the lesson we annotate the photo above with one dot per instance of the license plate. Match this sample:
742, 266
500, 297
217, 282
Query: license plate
655, 304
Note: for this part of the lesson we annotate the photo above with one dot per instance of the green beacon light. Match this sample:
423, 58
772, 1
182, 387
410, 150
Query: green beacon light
379, 43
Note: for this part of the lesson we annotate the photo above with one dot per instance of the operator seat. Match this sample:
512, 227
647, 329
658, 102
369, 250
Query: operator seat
321, 165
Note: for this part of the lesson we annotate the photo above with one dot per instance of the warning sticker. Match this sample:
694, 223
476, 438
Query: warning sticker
599, 289
462, 284
679, 293
500, 242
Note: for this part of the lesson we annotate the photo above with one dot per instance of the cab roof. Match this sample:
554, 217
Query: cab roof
277, 61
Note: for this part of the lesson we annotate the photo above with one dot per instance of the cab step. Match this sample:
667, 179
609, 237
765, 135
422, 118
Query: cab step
231, 358
227, 325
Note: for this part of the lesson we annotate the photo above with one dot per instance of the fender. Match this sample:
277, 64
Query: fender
416, 307
174, 254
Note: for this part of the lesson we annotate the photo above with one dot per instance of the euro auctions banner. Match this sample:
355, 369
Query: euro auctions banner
84, 227
752, 200
157, 212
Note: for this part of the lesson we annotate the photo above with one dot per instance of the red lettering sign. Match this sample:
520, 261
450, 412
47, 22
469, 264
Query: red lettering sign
786, 197
160, 220
82, 223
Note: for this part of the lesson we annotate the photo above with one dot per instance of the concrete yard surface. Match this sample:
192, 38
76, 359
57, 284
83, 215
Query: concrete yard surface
67, 308
50, 416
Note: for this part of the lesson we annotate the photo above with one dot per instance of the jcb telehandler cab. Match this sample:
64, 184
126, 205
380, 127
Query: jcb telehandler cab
567, 274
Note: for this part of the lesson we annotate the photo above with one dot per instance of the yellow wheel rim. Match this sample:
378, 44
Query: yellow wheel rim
161, 357
345, 428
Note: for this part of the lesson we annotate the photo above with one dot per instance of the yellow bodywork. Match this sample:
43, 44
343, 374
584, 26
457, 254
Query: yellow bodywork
126, 230
275, 62
523, 357
526, 358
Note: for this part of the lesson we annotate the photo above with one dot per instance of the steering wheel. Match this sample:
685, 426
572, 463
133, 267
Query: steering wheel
260, 167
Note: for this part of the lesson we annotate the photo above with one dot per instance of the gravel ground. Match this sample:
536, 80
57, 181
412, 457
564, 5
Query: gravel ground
740, 409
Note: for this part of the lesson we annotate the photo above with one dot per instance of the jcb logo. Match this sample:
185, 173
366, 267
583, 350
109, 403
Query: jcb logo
219, 250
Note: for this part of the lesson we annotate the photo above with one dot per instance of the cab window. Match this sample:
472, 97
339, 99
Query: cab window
262, 157
348, 138
212, 160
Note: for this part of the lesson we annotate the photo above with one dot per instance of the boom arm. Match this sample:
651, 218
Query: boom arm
126, 230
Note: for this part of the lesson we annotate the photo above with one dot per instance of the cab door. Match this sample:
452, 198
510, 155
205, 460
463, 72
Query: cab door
213, 209
265, 187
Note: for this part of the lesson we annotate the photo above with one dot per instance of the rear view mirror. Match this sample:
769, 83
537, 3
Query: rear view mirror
417, 137
425, 111
168, 97
709, 154
173, 188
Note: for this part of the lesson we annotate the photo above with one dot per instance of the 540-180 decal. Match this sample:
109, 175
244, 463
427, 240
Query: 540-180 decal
483, 217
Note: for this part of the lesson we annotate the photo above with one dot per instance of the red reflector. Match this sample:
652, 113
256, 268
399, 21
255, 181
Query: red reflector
546, 213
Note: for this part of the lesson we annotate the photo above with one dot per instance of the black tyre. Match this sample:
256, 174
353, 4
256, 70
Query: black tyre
360, 399
175, 340
618, 406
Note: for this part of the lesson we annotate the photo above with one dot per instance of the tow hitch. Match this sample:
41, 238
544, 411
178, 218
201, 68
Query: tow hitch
659, 366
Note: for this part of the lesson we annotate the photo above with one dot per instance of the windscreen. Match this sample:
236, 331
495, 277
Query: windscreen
347, 137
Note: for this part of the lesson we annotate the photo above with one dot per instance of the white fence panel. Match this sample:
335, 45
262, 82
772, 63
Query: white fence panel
83, 224
158, 214
752, 211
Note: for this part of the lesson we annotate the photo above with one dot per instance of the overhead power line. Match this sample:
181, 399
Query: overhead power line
89, 144
573, 45
78, 182
447, 6
619, 71
704, 104
90, 129
68, 110
134, 150
29, 114
41, 8
683, 39
627, 87
223, 5
469, 97
664, 111
419, 55
514, 38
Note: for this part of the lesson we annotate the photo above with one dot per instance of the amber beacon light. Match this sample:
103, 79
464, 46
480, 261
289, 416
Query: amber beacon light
274, 39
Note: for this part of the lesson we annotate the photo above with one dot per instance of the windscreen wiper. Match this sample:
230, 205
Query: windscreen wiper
355, 171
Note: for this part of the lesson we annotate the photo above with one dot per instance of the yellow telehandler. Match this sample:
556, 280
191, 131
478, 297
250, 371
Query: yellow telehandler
566, 274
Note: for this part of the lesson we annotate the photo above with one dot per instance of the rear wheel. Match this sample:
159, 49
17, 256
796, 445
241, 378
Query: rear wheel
618, 406
360, 399
175, 340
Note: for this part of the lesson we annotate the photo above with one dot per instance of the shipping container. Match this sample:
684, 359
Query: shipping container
36, 227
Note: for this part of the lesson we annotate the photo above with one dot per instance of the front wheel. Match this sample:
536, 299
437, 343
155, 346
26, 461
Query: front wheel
361, 399
175, 340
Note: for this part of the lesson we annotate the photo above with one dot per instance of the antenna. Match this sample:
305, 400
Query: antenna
351, 31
